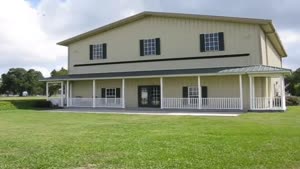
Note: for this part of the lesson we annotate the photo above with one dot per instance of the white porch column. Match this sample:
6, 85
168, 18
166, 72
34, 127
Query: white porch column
283, 104
123, 93
271, 92
47, 91
62, 94
241, 91
253, 87
67, 93
250, 92
71, 94
199, 93
161, 93
94, 93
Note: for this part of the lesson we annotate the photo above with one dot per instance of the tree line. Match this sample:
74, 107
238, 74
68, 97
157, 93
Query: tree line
293, 83
18, 80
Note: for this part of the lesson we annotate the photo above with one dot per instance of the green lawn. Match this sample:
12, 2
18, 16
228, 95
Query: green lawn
36, 139
22, 98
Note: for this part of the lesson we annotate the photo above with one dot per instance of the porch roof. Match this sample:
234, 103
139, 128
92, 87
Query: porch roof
256, 69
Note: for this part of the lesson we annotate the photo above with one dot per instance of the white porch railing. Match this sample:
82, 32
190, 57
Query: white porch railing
99, 102
81, 102
221, 103
206, 103
266, 103
180, 103
109, 102
55, 101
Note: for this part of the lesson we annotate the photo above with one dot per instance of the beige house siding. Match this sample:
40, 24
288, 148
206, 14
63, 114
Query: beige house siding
264, 57
269, 54
218, 86
273, 57
179, 38
82, 89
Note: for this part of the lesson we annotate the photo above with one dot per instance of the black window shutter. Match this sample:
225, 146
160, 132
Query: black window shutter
221, 41
104, 50
157, 46
141, 47
91, 52
202, 43
103, 93
204, 91
118, 92
185, 92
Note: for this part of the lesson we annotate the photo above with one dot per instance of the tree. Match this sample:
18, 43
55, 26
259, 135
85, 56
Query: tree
17, 80
293, 82
53, 89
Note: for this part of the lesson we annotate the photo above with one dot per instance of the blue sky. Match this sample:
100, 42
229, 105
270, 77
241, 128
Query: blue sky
34, 2
33, 27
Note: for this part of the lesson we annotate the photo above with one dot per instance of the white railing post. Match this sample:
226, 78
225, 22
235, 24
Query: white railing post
283, 104
199, 93
241, 91
67, 93
47, 91
161, 93
123, 93
94, 93
62, 94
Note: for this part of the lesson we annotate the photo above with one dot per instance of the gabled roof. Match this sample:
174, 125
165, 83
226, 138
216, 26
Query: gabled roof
176, 72
265, 24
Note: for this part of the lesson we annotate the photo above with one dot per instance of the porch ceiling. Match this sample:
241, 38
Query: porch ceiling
180, 72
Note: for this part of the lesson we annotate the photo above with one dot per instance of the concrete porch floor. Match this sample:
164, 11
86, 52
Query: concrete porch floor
150, 111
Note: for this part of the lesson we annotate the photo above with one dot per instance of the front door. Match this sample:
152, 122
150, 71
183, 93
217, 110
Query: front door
149, 96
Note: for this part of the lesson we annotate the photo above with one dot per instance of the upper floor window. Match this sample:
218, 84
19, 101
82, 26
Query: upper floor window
150, 47
98, 51
212, 42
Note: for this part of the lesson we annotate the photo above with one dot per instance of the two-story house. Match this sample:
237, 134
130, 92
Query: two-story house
176, 61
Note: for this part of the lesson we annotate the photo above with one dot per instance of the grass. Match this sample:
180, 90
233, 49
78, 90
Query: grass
37, 139
22, 98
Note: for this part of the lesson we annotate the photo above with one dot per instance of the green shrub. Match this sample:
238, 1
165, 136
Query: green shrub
292, 101
7, 105
24, 104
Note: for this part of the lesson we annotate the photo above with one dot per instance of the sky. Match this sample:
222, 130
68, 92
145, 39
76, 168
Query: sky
30, 29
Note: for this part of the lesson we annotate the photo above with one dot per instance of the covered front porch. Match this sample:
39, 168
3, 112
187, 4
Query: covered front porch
223, 92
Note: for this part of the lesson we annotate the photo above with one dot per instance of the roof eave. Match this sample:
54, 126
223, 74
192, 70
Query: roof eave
148, 13
281, 50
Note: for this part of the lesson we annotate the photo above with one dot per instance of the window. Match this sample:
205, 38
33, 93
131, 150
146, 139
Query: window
111, 93
98, 51
211, 41
193, 95
149, 47
193, 92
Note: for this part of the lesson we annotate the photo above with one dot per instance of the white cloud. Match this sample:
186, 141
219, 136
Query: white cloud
291, 40
24, 43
